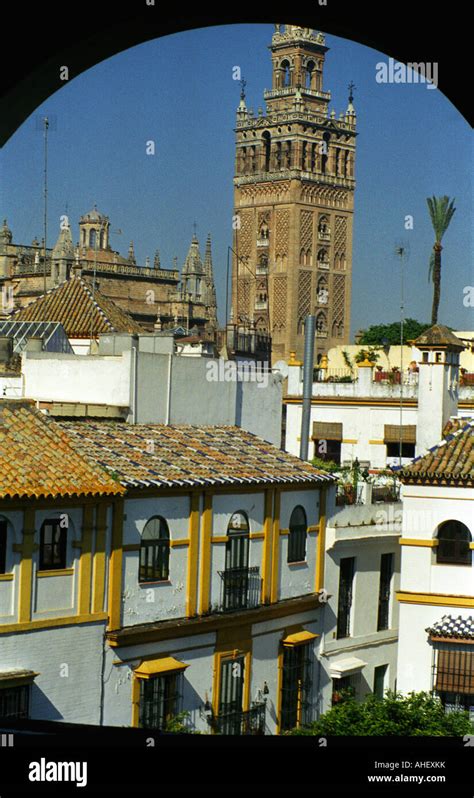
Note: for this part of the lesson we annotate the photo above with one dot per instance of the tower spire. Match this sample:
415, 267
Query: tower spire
210, 287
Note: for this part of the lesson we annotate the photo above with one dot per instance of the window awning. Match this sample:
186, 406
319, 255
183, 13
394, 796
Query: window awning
299, 638
327, 431
154, 667
345, 667
392, 433
15, 678
455, 671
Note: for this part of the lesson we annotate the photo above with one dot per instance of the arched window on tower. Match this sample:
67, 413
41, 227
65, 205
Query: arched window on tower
83, 237
92, 238
278, 155
346, 163
252, 159
102, 239
314, 158
286, 74
321, 323
267, 147
309, 74
304, 154
325, 153
288, 155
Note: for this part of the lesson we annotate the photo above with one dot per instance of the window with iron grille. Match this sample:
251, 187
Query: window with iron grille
3, 545
453, 678
386, 572
297, 535
160, 698
15, 702
346, 579
53, 545
453, 544
296, 686
154, 551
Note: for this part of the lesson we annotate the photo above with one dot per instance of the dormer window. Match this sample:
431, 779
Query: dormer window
438, 357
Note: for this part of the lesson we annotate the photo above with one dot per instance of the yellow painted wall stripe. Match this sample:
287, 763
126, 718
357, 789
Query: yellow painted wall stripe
99, 559
275, 546
85, 560
115, 567
54, 572
267, 547
46, 623
418, 542
26, 567
321, 542
193, 553
205, 569
448, 600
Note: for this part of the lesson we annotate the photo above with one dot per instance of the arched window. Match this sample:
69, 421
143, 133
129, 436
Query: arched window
309, 74
453, 544
53, 543
92, 238
286, 75
102, 239
155, 551
267, 146
321, 323
297, 536
325, 152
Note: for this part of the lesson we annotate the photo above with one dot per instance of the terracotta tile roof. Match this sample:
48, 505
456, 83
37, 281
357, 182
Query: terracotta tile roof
181, 455
456, 423
452, 460
456, 628
37, 458
78, 310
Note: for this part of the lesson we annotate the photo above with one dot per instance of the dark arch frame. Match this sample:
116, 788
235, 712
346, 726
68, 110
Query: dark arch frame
154, 558
453, 538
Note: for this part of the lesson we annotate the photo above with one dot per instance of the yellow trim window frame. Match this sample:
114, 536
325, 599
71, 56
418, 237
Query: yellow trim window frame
156, 691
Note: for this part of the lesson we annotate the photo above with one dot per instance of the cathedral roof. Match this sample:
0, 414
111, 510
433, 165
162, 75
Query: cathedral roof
94, 216
64, 247
193, 263
73, 304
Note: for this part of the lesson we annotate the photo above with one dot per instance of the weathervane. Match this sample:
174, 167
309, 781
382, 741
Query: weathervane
351, 88
243, 84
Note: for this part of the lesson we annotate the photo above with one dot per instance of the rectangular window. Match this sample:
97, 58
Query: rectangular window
386, 573
344, 687
159, 697
379, 680
454, 673
53, 541
3, 545
297, 682
346, 579
15, 702
229, 720
408, 450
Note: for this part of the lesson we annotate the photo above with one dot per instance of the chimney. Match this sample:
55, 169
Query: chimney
437, 384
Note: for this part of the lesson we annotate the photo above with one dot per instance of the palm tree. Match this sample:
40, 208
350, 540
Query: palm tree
441, 212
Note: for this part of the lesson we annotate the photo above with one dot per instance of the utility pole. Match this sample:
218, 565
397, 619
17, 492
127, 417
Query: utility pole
45, 220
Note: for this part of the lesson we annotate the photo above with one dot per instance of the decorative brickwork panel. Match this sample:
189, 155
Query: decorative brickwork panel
244, 297
304, 295
282, 231
306, 230
339, 289
246, 233
340, 235
280, 302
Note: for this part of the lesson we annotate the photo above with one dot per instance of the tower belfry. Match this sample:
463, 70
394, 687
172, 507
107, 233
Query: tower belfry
294, 198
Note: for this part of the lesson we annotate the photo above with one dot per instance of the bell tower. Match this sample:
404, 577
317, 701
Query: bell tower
293, 202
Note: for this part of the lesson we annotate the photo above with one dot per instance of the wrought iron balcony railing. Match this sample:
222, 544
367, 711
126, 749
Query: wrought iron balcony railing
240, 589
251, 721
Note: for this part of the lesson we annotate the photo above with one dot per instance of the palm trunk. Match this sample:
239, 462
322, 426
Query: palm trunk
436, 282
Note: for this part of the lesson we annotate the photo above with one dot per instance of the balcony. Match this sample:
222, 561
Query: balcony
239, 722
240, 589
261, 304
262, 242
324, 235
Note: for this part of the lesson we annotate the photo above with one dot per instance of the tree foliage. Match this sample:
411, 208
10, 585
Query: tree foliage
376, 333
418, 714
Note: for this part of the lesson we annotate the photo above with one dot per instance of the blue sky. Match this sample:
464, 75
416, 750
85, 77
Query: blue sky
179, 92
